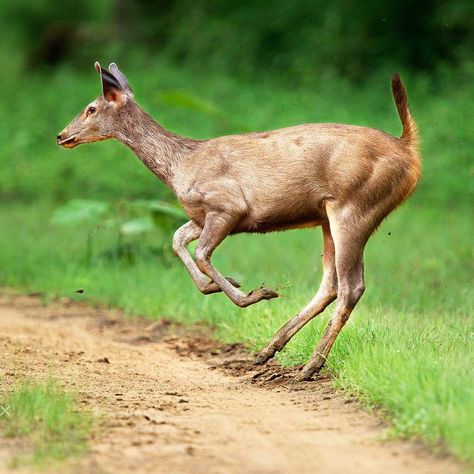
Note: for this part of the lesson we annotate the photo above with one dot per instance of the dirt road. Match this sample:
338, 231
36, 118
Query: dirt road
175, 403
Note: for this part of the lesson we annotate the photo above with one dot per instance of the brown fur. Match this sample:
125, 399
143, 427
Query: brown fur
345, 178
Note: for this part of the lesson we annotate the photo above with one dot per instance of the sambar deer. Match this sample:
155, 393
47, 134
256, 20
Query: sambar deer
344, 178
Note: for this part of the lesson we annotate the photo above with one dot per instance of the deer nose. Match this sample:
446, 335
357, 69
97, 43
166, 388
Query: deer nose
58, 137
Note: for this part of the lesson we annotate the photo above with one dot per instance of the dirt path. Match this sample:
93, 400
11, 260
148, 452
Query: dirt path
176, 403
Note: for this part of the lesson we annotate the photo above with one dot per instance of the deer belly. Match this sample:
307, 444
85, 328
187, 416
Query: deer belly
281, 221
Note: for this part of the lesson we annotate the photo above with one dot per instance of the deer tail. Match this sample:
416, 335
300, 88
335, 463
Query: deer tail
410, 130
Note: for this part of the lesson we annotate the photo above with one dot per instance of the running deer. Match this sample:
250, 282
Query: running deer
344, 178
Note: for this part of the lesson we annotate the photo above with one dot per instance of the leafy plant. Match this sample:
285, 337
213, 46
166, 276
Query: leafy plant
129, 221
80, 210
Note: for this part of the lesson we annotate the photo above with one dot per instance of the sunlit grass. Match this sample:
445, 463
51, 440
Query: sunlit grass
46, 420
407, 347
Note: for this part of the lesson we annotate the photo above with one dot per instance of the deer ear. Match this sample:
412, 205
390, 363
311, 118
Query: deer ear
111, 88
120, 76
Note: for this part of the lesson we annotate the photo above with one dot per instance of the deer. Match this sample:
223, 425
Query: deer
343, 178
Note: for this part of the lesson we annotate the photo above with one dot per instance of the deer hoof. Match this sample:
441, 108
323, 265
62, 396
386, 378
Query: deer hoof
268, 294
306, 374
262, 358
302, 377
262, 294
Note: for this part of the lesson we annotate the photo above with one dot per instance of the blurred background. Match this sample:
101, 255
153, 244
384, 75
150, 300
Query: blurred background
211, 67
94, 224
302, 40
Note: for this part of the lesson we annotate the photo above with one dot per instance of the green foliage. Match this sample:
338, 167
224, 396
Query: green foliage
138, 226
187, 101
47, 419
301, 40
309, 39
78, 211
127, 220
179, 99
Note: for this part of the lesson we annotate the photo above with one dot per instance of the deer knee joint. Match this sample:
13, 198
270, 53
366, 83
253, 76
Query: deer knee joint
349, 296
202, 258
358, 291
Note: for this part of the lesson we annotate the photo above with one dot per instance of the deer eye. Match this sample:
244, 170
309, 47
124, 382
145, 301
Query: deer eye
91, 110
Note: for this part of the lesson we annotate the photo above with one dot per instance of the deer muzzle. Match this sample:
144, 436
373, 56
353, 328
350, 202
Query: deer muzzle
66, 141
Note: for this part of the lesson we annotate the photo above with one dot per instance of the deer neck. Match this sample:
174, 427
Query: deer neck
159, 149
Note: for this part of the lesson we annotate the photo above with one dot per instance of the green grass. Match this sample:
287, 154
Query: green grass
46, 419
408, 346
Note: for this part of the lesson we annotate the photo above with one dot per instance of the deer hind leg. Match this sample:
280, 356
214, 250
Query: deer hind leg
350, 236
181, 239
326, 295
216, 228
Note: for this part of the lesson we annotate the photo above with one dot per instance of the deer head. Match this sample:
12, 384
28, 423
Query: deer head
101, 118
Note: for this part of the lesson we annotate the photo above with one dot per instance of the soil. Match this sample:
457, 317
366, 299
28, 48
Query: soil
170, 400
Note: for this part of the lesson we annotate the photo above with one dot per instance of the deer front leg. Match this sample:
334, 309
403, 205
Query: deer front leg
181, 239
216, 228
